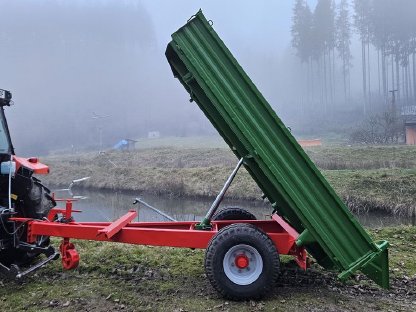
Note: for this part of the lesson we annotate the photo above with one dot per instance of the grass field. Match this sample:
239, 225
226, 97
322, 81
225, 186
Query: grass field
116, 277
367, 178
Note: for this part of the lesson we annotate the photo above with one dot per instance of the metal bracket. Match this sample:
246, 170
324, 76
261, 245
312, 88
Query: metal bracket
36, 249
115, 227
14, 271
141, 201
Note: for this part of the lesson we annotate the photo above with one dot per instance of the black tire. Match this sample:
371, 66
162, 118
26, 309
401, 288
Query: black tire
36, 203
233, 213
237, 285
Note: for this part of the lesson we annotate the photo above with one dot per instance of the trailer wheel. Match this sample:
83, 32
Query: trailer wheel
233, 213
242, 262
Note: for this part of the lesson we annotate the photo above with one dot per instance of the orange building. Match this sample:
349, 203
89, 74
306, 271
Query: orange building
408, 114
410, 133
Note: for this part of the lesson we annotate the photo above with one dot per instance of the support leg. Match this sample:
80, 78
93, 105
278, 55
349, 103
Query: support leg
206, 222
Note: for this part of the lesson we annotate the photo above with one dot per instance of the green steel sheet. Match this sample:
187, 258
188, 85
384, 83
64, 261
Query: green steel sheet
289, 179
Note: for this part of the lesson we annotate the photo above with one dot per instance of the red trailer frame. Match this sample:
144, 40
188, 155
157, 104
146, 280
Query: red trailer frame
171, 234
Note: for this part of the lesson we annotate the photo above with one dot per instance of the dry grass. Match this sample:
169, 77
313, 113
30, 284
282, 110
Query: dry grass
327, 158
201, 172
364, 157
389, 190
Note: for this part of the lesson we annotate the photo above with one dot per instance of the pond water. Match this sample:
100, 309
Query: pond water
103, 206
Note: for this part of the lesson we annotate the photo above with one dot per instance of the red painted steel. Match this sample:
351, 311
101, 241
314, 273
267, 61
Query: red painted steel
299, 253
241, 261
69, 256
115, 227
32, 164
171, 234
55, 211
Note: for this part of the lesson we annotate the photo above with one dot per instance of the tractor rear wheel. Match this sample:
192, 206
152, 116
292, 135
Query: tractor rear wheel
233, 213
36, 202
242, 262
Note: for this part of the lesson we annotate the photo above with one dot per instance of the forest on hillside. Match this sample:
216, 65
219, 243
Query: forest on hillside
386, 30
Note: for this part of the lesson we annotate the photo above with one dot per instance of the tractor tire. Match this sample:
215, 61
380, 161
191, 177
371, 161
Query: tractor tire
242, 262
233, 213
38, 201
36, 204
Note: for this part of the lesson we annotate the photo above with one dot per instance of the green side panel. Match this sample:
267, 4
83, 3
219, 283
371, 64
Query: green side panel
289, 179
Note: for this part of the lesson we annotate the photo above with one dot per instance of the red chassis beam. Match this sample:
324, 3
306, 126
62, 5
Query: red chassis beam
171, 234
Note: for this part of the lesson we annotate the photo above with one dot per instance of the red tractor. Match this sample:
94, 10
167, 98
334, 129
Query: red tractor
23, 195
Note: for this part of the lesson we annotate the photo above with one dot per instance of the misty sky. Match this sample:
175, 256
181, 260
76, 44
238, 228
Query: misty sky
67, 60
259, 22
251, 23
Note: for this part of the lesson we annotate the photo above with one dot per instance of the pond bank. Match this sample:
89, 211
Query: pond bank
105, 206
200, 173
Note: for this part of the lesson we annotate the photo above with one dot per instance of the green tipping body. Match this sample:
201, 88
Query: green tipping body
286, 175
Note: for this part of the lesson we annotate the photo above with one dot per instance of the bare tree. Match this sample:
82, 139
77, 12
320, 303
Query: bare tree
362, 14
343, 43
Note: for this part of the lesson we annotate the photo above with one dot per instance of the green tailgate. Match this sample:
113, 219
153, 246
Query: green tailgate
288, 178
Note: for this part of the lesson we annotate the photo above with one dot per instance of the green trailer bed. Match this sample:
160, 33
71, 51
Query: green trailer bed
289, 179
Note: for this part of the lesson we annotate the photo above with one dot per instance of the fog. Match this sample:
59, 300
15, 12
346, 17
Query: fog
69, 62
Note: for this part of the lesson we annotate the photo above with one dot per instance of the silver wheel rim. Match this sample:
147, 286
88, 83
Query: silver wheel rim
243, 264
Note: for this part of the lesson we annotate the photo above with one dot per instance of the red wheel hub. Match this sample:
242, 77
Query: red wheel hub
242, 261
70, 257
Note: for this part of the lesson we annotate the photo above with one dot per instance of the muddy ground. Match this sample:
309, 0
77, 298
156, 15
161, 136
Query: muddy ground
151, 290
115, 277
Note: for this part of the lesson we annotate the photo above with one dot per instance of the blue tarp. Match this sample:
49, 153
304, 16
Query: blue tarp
122, 144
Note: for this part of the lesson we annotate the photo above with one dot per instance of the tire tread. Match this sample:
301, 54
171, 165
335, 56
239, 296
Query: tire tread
233, 213
232, 232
